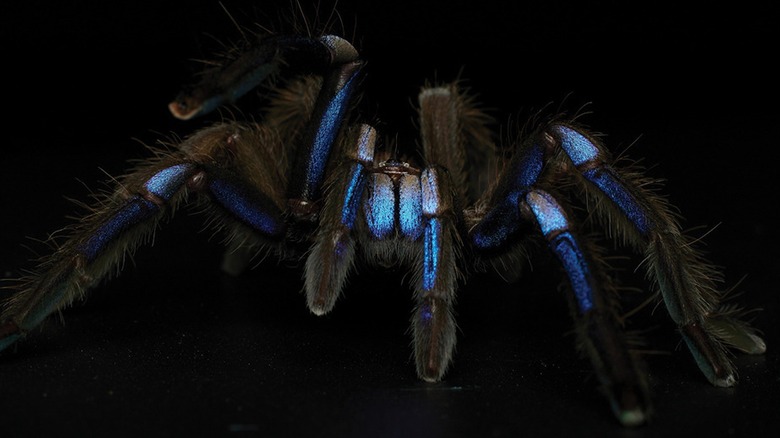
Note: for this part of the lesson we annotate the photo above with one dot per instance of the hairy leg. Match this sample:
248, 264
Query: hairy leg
685, 279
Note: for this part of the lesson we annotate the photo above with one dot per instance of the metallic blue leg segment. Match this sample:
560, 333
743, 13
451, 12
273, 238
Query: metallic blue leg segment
433, 324
555, 228
251, 207
585, 154
432, 244
578, 147
69, 272
503, 221
326, 134
160, 188
526, 166
330, 258
431, 253
363, 156
568, 252
136, 210
327, 119
605, 179
596, 327
165, 183
357, 182
498, 226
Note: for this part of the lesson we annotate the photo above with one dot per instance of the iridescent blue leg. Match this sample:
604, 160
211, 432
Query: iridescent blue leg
598, 333
433, 323
686, 281
446, 126
332, 255
251, 207
97, 244
592, 162
329, 56
502, 223
316, 144
515, 205
123, 221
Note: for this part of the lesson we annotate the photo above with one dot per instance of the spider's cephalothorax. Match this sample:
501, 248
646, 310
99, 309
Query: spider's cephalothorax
309, 178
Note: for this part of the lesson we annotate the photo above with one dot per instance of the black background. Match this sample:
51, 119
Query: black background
174, 347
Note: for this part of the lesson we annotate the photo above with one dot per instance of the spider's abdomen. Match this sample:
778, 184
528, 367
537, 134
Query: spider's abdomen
393, 206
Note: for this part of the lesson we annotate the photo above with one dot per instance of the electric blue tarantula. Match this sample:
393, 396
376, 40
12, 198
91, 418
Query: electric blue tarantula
308, 180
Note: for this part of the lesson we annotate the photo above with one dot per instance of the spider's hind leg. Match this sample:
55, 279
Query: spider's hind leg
452, 132
686, 281
433, 322
597, 325
96, 244
123, 220
521, 204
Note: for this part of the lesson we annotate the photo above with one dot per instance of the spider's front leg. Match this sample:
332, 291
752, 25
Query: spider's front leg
448, 126
433, 322
332, 255
686, 281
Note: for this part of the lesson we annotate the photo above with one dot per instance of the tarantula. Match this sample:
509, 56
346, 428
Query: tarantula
309, 180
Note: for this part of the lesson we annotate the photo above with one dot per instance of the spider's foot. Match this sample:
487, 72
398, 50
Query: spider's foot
710, 355
432, 367
434, 338
708, 340
628, 405
631, 418
431, 372
621, 376
320, 308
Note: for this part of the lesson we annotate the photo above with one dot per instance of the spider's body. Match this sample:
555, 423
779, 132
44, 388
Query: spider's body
310, 180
